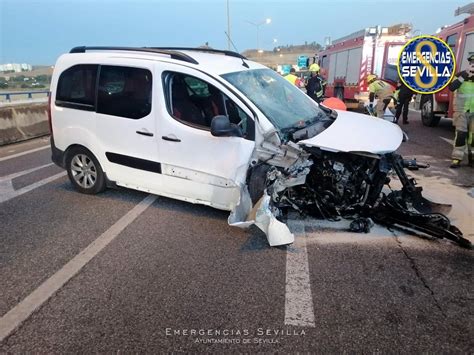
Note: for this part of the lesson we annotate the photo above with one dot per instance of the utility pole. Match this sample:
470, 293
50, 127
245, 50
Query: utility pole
228, 26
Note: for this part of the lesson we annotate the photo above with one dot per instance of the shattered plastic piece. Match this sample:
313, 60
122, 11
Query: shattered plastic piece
276, 231
238, 216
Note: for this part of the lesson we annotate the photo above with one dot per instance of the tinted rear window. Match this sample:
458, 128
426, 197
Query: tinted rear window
76, 85
124, 91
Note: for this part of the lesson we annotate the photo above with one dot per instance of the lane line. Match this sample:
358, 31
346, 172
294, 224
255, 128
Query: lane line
24, 153
24, 172
23, 310
299, 310
7, 192
450, 141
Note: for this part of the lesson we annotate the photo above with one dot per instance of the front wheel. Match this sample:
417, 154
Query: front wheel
84, 171
428, 118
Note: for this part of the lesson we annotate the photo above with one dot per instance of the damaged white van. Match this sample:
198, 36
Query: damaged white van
211, 127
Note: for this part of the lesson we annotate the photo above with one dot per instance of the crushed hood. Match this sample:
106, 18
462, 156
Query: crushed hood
355, 132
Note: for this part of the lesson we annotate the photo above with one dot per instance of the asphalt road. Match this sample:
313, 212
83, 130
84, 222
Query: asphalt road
124, 271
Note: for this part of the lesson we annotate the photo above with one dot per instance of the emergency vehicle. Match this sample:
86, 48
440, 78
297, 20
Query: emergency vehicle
460, 37
348, 60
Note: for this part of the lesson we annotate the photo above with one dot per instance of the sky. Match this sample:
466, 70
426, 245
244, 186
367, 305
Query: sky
38, 31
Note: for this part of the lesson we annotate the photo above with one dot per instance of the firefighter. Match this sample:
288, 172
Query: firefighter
316, 84
403, 95
463, 117
292, 78
382, 90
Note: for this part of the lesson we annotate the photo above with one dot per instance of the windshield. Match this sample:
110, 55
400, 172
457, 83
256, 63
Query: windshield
286, 106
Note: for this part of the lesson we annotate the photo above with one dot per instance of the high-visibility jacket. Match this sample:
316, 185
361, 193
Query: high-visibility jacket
380, 88
292, 78
464, 94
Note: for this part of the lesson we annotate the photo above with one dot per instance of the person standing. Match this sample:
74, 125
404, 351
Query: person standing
463, 117
316, 84
403, 101
382, 90
292, 78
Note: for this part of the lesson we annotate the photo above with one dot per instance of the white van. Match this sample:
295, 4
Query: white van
211, 127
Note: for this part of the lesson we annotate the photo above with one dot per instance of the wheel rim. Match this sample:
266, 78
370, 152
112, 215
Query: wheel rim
83, 171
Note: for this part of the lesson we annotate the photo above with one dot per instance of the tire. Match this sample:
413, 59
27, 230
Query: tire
339, 93
80, 160
257, 182
428, 118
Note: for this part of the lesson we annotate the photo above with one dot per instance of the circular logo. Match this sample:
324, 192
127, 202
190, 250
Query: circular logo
426, 64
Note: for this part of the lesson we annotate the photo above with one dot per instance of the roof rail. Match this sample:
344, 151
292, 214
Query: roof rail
172, 53
197, 49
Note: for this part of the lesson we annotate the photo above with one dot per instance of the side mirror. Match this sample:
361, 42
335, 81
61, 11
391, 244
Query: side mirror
221, 127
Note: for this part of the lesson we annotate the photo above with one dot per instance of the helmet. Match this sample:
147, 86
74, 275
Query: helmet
314, 67
471, 57
371, 77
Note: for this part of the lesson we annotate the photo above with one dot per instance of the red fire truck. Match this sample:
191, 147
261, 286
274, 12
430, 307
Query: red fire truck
348, 60
460, 37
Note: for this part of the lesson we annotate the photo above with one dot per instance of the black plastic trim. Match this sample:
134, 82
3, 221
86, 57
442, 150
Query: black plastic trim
205, 50
173, 54
57, 155
75, 105
133, 162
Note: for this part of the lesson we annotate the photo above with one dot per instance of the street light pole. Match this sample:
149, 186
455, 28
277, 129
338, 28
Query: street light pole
228, 26
257, 25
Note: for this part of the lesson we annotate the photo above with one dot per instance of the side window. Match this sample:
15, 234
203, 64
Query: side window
451, 40
324, 62
195, 102
124, 91
76, 87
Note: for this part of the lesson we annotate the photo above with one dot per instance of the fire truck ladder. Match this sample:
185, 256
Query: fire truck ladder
467, 9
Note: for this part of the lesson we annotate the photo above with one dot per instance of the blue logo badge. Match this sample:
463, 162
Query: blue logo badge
426, 64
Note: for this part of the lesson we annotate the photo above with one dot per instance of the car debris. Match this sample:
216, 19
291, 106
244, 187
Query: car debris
339, 185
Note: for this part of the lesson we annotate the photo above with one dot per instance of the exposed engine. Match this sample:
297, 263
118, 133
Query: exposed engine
337, 185
342, 185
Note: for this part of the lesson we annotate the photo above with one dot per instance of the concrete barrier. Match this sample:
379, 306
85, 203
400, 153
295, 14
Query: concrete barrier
19, 122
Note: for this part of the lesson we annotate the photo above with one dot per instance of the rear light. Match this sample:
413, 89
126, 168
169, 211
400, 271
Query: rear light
49, 114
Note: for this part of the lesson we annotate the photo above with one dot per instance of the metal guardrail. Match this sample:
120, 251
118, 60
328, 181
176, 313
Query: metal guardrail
30, 94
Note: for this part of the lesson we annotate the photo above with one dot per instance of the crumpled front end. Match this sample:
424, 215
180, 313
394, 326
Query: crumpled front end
335, 185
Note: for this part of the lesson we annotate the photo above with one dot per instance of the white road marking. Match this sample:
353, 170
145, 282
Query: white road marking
450, 141
24, 172
23, 310
24, 153
299, 309
7, 192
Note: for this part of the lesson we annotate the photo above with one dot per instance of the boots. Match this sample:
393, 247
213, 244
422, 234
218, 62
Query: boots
456, 163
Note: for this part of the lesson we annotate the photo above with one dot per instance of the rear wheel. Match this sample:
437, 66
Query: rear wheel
427, 114
339, 93
84, 171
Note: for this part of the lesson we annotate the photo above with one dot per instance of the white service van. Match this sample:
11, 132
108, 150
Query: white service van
211, 127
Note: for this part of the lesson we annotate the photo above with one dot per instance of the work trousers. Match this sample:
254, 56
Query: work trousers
402, 107
464, 123
382, 103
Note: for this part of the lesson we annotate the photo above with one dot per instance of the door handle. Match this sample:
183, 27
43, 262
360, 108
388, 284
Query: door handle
171, 138
148, 134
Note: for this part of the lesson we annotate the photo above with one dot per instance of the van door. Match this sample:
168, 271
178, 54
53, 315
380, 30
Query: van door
198, 166
126, 125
